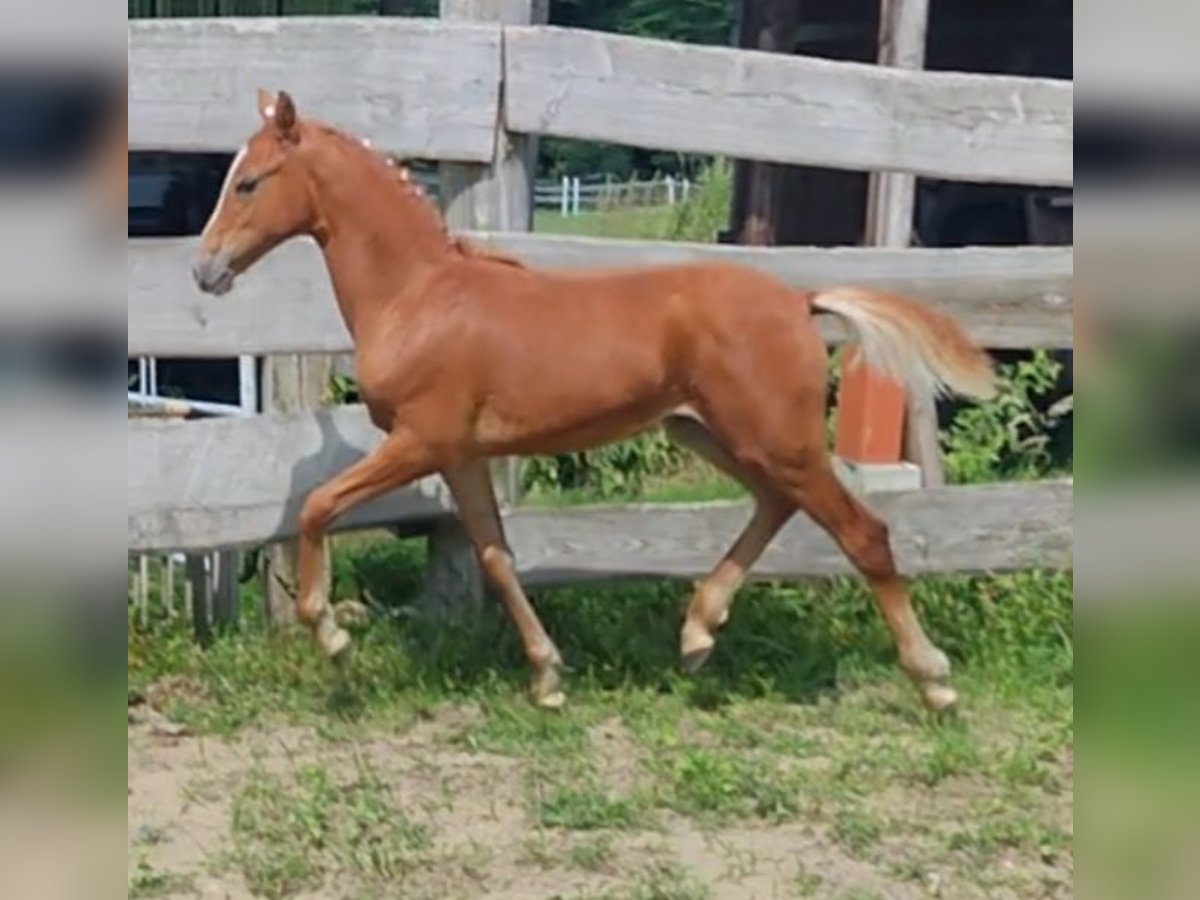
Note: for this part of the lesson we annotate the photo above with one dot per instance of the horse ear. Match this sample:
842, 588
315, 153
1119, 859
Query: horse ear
266, 104
285, 114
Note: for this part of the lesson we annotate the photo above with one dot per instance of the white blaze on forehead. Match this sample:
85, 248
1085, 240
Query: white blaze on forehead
269, 112
233, 167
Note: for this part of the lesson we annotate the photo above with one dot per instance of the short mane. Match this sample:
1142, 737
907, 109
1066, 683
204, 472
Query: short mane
396, 166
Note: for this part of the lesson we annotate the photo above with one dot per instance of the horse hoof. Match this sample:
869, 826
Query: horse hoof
545, 687
938, 697
696, 645
337, 646
693, 662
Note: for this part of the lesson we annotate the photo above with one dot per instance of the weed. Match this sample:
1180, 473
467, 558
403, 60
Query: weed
291, 833
538, 850
718, 783
592, 854
1008, 827
664, 881
857, 829
146, 882
805, 882
586, 808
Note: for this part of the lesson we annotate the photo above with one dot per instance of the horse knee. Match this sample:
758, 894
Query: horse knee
316, 514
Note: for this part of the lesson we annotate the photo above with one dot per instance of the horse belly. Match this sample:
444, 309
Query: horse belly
573, 408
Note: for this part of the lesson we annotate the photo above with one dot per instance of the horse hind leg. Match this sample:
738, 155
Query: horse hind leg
708, 608
863, 537
475, 498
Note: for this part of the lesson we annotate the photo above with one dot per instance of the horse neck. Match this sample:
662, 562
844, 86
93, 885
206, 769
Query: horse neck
375, 235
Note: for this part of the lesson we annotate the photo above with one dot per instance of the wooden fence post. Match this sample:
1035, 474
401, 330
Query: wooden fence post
871, 425
225, 595
291, 383
890, 205
496, 196
200, 585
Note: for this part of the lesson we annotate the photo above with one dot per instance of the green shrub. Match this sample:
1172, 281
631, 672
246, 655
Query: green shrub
1007, 438
706, 210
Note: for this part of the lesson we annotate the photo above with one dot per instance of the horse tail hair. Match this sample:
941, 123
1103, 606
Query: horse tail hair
924, 350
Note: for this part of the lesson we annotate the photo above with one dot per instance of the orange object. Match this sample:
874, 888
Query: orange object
870, 414
463, 356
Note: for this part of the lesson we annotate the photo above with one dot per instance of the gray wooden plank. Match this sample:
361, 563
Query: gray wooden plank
417, 87
1006, 297
218, 483
789, 109
979, 528
224, 482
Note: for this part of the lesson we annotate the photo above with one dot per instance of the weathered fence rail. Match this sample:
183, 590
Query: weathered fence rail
433, 89
225, 482
788, 109
1007, 298
419, 87
976, 529
430, 88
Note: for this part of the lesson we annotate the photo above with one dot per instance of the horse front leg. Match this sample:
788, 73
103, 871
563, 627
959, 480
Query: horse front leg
400, 459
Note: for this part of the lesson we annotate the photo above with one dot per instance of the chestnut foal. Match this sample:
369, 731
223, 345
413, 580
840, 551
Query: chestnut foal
462, 356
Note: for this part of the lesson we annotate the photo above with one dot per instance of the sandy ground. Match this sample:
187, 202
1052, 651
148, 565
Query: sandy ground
486, 841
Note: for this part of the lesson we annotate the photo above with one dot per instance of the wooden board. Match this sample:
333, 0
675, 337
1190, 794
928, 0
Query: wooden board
790, 109
224, 482
417, 87
985, 528
1006, 297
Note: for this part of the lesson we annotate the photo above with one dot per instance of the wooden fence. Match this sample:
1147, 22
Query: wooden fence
447, 90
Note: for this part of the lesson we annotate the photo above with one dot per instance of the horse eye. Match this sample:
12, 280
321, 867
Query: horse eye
246, 185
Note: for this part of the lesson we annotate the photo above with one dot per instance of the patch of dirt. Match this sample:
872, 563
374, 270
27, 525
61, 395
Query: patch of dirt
617, 755
486, 844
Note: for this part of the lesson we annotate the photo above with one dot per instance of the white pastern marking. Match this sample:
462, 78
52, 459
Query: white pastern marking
233, 167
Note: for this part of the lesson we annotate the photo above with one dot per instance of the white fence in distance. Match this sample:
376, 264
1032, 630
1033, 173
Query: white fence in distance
573, 194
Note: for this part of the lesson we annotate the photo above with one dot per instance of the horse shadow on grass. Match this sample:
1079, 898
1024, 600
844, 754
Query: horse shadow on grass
612, 637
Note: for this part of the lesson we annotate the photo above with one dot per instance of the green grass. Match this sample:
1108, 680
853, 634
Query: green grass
592, 854
801, 717
586, 808
146, 882
661, 881
719, 783
696, 483
291, 832
796, 643
648, 222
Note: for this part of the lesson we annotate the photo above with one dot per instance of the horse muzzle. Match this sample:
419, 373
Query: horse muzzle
213, 272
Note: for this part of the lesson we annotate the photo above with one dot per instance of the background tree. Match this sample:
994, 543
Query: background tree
693, 21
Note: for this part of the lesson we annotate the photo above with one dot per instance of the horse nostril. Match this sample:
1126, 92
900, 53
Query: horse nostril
206, 270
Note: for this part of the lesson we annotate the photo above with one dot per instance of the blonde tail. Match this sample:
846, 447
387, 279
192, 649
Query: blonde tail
923, 350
